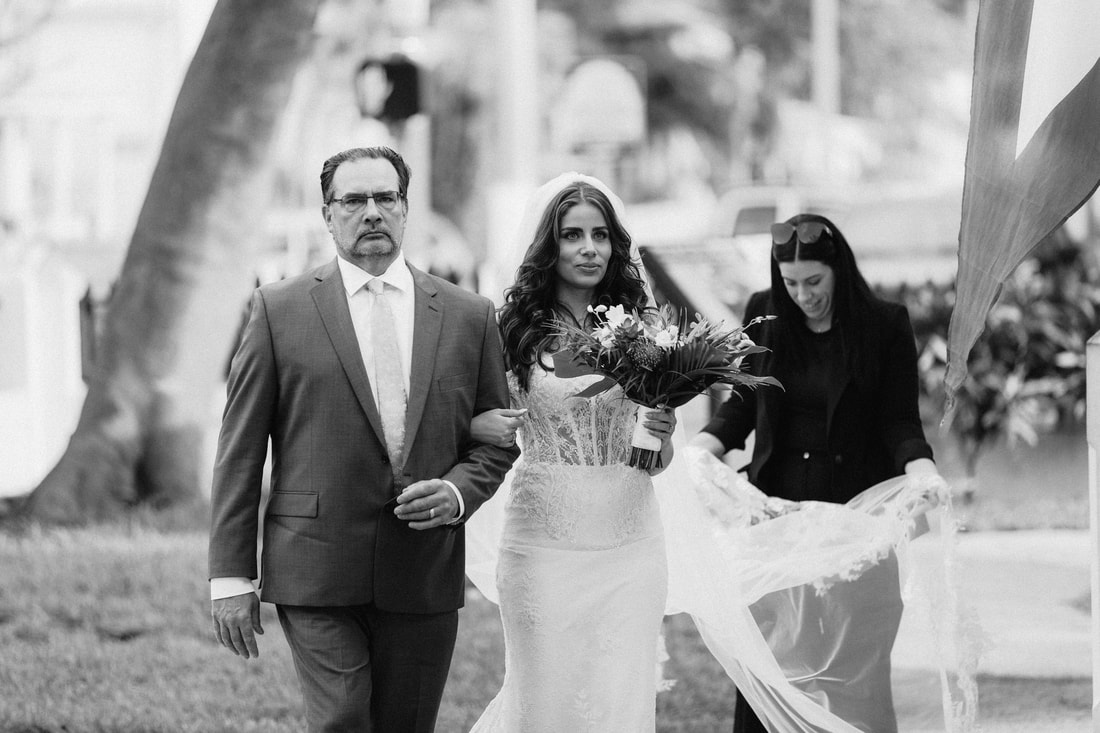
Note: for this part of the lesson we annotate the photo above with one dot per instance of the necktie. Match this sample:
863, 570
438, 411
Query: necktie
387, 372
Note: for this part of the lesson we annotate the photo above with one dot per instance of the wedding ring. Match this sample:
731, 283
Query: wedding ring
431, 513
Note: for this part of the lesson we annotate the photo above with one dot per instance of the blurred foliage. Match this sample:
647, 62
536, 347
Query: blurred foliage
701, 76
887, 64
1027, 369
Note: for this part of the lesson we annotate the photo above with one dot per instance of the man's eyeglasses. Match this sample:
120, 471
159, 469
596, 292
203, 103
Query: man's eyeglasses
807, 232
355, 202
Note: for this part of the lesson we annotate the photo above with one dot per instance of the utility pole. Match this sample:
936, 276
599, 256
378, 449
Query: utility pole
514, 166
825, 36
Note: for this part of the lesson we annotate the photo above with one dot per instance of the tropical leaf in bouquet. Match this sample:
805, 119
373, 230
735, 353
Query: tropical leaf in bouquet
596, 388
657, 359
567, 365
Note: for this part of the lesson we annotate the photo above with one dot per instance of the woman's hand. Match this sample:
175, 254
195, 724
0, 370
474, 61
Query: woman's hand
925, 470
497, 426
661, 423
709, 443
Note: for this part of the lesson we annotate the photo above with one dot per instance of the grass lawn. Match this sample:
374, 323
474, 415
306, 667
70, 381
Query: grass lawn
108, 630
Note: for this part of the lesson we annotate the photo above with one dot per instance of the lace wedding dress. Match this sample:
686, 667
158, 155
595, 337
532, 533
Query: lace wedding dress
582, 575
581, 570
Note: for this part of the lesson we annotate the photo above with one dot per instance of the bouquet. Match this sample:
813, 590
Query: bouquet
657, 359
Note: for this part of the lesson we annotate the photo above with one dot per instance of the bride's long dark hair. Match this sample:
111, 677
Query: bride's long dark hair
531, 306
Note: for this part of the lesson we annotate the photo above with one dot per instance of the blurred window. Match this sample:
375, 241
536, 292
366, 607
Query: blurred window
754, 220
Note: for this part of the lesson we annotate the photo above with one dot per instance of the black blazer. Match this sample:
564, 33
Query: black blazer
873, 422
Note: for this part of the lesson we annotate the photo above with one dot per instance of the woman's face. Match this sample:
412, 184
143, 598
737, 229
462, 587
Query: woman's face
584, 249
810, 284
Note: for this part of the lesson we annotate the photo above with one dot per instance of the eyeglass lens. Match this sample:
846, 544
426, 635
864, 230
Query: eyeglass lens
353, 202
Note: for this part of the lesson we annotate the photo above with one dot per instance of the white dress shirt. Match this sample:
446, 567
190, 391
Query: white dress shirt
402, 301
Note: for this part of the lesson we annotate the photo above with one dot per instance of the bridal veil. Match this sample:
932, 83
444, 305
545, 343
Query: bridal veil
758, 576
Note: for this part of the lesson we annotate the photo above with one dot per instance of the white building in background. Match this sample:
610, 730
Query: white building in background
84, 102
82, 122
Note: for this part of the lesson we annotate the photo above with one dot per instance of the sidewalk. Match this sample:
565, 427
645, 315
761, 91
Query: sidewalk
1027, 589
1023, 586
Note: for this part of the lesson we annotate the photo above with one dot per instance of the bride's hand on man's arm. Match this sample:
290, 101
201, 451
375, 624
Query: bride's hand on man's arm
497, 426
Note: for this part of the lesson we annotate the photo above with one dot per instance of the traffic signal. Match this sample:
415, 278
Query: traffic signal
388, 88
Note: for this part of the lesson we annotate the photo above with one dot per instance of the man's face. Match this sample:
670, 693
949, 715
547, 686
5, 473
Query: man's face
370, 237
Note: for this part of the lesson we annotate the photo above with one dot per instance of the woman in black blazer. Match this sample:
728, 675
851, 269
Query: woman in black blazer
847, 416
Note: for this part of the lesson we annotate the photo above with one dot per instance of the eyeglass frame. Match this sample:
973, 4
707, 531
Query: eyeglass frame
807, 232
367, 197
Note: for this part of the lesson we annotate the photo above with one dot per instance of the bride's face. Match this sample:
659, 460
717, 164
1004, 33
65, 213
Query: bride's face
584, 248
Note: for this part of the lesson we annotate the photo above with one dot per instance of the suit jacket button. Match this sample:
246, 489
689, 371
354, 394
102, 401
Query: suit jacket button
838, 459
385, 460
806, 456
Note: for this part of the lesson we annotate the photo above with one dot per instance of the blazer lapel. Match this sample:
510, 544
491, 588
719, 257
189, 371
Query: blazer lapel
427, 325
332, 303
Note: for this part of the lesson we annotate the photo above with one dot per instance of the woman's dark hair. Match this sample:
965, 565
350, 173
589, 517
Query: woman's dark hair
852, 296
531, 306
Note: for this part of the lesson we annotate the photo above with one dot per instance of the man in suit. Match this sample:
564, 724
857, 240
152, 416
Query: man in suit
364, 375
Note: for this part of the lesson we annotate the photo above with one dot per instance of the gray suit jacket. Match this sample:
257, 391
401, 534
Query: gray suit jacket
329, 534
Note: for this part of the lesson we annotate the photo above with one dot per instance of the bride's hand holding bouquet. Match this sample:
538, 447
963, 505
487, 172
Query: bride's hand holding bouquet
658, 359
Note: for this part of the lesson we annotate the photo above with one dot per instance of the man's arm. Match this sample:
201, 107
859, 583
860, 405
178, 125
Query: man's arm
251, 399
482, 468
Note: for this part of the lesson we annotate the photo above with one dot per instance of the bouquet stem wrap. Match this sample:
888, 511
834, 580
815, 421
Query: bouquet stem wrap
645, 448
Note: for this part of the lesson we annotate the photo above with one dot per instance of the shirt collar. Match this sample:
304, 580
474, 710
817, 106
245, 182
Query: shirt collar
396, 275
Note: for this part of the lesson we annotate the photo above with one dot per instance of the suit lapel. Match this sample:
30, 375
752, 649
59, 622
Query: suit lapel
427, 325
332, 303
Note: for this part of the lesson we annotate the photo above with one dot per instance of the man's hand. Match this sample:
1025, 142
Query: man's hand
235, 620
427, 504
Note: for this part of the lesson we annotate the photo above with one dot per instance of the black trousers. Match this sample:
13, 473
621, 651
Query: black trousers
362, 669
744, 719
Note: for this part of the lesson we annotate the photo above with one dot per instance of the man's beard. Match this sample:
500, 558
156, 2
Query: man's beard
374, 247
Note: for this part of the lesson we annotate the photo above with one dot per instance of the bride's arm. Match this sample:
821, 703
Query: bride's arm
497, 426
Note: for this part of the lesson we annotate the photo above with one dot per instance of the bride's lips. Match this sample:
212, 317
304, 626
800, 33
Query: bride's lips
589, 267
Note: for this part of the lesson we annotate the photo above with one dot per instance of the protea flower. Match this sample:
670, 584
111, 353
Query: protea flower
645, 354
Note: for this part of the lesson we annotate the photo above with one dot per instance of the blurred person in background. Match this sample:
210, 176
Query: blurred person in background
846, 419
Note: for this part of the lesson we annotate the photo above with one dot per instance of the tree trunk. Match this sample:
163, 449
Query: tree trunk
176, 308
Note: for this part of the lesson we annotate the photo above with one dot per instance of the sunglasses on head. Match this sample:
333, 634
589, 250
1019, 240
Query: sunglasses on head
807, 232
786, 237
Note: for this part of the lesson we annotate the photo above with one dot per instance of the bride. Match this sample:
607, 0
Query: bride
585, 555
581, 571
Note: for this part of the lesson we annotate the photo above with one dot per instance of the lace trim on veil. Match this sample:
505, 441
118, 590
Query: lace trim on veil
729, 546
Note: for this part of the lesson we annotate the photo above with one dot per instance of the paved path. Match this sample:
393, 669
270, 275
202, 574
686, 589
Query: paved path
1030, 592
1026, 588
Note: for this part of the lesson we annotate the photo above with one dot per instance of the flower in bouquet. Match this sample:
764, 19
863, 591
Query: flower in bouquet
657, 358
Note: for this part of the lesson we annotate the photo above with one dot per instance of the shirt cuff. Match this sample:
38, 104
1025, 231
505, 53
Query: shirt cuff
461, 504
229, 587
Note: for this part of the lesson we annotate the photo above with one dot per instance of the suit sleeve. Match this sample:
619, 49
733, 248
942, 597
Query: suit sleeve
735, 419
482, 468
251, 402
897, 399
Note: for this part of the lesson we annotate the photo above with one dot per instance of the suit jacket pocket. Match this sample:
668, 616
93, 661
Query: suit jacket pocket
293, 503
455, 381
